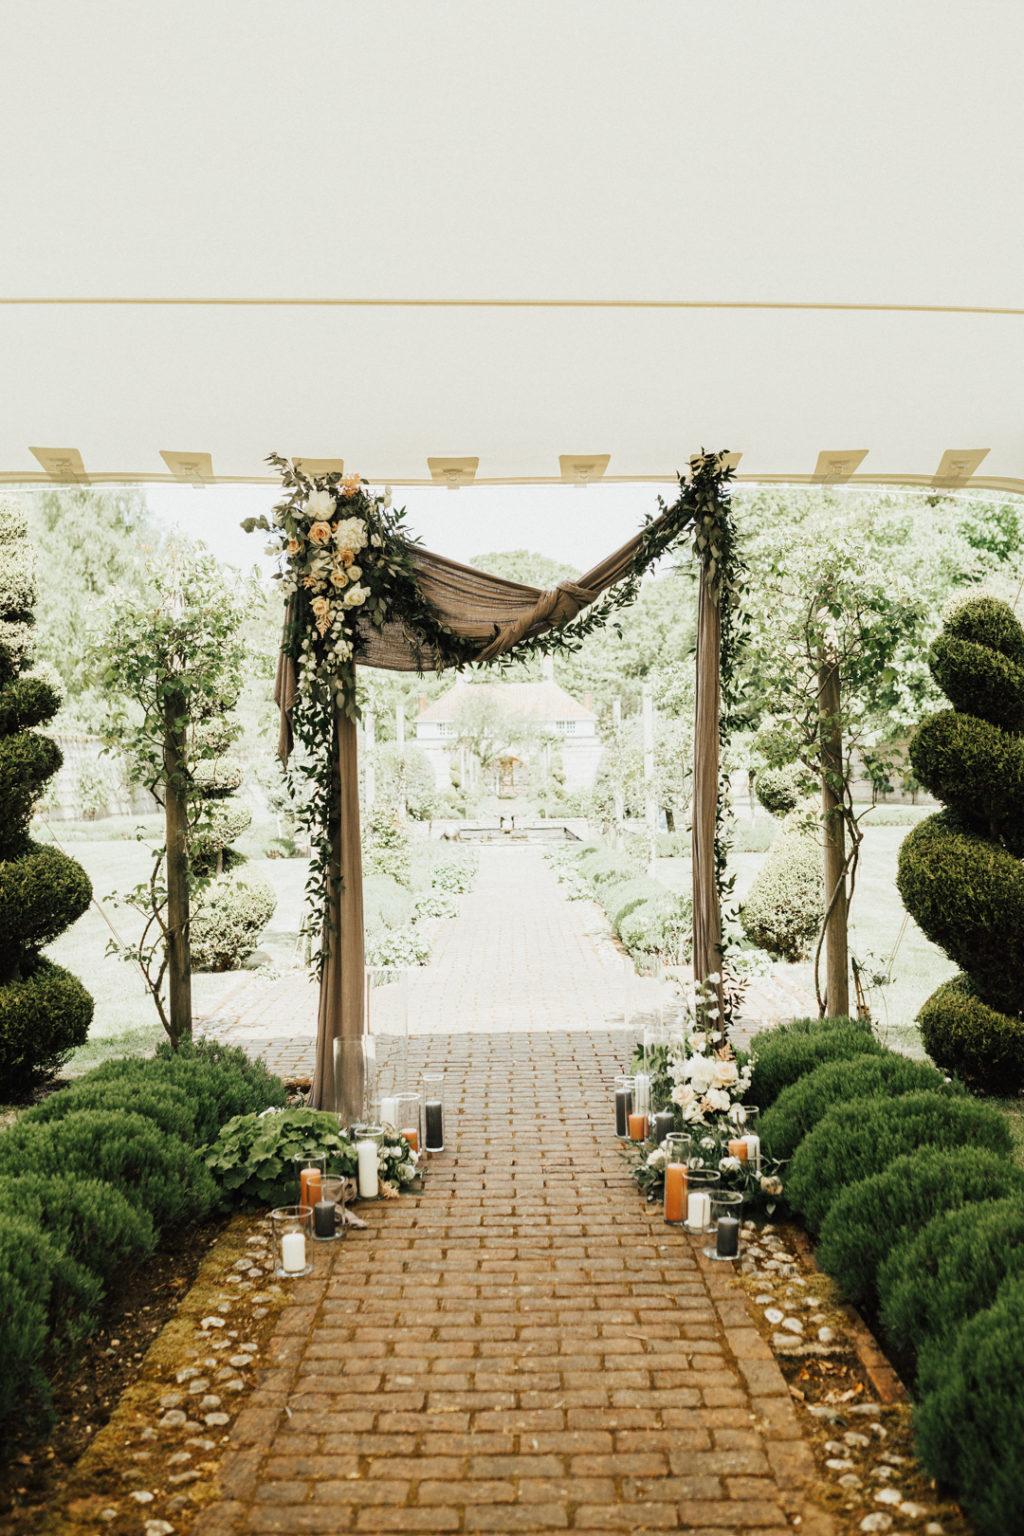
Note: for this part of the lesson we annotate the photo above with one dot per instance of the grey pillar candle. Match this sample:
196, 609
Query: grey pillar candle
662, 1125
433, 1114
323, 1218
727, 1241
623, 1110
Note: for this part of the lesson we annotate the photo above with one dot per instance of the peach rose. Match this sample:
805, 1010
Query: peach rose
350, 485
292, 547
320, 533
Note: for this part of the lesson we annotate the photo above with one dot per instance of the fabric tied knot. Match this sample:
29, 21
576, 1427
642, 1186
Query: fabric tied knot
552, 610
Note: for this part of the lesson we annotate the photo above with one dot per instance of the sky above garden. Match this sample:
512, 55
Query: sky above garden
577, 526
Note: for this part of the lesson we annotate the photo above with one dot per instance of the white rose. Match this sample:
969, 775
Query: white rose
320, 506
718, 1099
683, 1095
729, 1164
354, 573
698, 1040
355, 596
701, 1072
738, 1114
376, 540
656, 1159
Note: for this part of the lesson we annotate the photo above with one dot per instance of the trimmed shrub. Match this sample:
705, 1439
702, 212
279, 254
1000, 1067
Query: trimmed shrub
93, 1222
606, 868
960, 872
779, 789
220, 1080
873, 1218
168, 1107
662, 926
43, 1017
622, 898
44, 1012
397, 946
799, 1107
863, 1136
228, 919
42, 1293
789, 1051
158, 1173
981, 1045
967, 894
970, 1425
433, 904
786, 903
953, 1269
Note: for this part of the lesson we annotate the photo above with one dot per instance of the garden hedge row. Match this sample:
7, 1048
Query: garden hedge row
918, 1204
89, 1179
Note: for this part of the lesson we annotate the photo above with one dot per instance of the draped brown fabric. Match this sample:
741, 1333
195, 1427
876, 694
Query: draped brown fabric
498, 614
707, 913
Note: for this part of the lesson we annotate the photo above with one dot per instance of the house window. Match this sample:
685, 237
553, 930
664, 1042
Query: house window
567, 727
445, 728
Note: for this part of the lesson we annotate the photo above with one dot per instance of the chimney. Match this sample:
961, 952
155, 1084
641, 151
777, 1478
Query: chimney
588, 701
422, 703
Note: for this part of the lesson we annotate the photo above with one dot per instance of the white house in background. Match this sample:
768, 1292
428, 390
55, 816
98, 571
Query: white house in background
561, 725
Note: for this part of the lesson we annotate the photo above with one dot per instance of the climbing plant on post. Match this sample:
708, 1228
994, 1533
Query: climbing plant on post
171, 656
720, 624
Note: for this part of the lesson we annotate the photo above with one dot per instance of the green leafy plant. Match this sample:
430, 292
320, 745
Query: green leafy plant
969, 1424
433, 904
861, 1136
456, 872
386, 846
253, 1157
397, 946
785, 1053
169, 1107
799, 1107
930, 1285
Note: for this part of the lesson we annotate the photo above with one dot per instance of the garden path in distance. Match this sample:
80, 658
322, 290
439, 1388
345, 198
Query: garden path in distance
523, 1346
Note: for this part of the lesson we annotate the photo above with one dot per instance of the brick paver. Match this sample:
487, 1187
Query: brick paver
523, 1346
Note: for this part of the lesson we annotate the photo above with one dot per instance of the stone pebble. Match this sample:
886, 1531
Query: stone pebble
876, 1522
888, 1496
158, 1528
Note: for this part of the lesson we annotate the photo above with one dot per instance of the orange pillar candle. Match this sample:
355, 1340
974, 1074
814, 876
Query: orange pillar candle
309, 1187
675, 1193
637, 1127
739, 1149
410, 1134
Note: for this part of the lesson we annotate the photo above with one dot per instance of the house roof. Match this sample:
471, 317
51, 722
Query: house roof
542, 702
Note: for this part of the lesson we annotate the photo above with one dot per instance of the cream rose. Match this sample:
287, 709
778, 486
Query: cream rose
726, 1073
339, 576
355, 596
701, 1072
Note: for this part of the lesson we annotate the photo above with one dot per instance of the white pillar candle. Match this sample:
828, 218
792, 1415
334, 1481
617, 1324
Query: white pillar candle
753, 1152
642, 1093
293, 1253
366, 1152
389, 1111
698, 1209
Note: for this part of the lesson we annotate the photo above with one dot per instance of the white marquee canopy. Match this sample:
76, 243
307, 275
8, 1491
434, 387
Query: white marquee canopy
516, 236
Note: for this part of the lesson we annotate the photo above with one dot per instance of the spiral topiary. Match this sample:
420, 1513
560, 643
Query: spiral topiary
960, 874
230, 913
44, 1011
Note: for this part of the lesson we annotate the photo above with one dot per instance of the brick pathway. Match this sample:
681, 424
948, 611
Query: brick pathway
524, 1346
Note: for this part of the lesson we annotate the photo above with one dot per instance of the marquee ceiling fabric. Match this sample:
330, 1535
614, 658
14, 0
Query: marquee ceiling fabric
393, 232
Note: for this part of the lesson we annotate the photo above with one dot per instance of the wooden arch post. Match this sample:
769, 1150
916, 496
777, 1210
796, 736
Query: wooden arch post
707, 911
